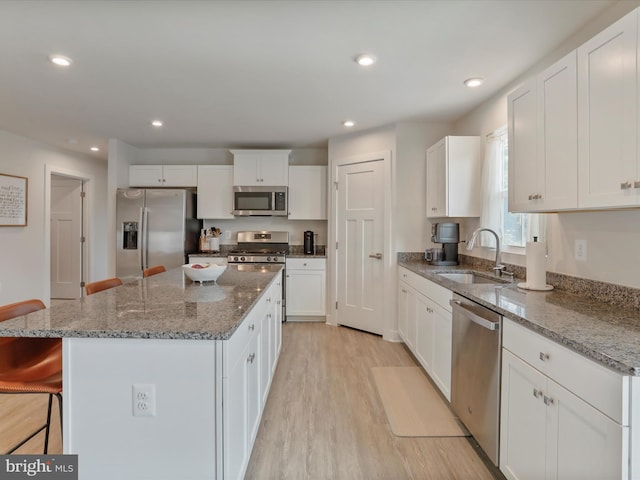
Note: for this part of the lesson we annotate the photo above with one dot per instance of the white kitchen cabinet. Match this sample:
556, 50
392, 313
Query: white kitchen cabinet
306, 287
270, 335
163, 175
424, 332
215, 192
543, 162
425, 324
609, 169
261, 167
308, 192
453, 177
550, 430
403, 311
249, 361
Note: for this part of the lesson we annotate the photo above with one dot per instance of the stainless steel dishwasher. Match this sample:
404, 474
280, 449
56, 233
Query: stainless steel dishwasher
475, 371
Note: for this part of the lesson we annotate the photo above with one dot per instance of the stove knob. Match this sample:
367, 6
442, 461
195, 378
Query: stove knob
268, 259
235, 259
275, 259
242, 259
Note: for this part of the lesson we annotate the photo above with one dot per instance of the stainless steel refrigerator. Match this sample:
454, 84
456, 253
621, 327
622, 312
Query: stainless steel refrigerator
154, 227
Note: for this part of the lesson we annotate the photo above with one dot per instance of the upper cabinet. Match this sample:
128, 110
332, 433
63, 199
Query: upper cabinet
609, 173
307, 193
573, 129
261, 167
163, 176
453, 177
215, 191
543, 141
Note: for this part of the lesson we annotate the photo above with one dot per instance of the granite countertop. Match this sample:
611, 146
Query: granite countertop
168, 306
607, 334
303, 255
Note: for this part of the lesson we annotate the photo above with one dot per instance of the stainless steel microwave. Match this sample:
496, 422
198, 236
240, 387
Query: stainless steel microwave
260, 201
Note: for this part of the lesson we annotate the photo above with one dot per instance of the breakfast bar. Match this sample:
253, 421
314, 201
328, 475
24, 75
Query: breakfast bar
164, 378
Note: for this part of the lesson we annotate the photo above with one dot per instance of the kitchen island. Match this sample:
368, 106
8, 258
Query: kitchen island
164, 378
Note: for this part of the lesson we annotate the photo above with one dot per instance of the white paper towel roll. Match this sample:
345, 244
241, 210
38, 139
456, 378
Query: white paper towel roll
537, 265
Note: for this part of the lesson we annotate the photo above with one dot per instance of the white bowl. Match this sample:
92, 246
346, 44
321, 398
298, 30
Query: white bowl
209, 273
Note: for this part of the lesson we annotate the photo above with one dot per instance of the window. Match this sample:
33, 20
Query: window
512, 224
514, 229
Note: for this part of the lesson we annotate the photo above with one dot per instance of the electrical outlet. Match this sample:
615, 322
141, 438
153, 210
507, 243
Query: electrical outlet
143, 400
581, 250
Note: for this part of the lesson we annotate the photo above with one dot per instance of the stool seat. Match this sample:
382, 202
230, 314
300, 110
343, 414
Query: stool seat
31, 365
147, 272
100, 285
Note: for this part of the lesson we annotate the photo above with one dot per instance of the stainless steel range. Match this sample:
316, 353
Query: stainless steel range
258, 248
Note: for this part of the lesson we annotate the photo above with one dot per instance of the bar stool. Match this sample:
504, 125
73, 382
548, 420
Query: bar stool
31, 365
147, 272
95, 287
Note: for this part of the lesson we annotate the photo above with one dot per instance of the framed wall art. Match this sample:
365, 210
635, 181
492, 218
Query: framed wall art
13, 201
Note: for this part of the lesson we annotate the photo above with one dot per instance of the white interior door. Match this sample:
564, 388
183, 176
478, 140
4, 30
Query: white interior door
66, 233
361, 245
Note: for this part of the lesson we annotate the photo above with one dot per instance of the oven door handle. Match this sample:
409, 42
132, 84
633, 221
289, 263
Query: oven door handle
468, 314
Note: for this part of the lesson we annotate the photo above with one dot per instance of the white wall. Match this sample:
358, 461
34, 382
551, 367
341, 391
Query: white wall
24, 256
412, 228
612, 236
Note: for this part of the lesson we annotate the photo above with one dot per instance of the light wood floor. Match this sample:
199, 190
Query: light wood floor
324, 418
22, 414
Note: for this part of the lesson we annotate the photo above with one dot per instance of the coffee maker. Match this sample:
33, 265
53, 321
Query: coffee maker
449, 235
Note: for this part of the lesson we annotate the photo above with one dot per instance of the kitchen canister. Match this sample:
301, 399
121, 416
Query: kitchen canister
536, 267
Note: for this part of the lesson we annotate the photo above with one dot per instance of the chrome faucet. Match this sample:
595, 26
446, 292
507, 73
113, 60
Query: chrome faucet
499, 267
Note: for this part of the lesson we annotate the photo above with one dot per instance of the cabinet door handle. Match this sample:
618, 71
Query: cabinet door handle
544, 356
625, 185
377, 256
548, 401
636, 184
252, 327
530, 197
537, 393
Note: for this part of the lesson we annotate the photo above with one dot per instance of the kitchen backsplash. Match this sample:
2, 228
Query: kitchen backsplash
296, 228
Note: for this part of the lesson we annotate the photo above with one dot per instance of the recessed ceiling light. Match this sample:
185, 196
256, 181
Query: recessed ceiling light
473, 82
348, 123
365, 60
60, 60
94, 149
157, 123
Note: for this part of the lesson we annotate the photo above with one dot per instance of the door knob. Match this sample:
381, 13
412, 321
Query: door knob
377, 256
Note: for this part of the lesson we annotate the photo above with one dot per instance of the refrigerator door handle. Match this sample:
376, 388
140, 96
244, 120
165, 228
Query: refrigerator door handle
145, 238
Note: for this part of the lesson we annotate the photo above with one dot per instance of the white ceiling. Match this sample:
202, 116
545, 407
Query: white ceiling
260, 73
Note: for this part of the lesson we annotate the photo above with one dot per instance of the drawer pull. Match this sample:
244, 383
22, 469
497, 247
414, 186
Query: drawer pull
537, 393
636, 184
544, 356
625, 185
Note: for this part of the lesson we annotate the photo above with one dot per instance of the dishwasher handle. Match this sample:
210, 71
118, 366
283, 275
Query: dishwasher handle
483, 322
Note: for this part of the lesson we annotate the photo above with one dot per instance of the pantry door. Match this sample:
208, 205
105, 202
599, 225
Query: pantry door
66, 237
361, 244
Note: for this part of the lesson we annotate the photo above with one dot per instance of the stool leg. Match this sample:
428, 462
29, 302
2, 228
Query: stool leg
48, 425
59, 395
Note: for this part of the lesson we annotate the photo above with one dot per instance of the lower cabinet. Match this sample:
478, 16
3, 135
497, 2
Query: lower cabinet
424, 324
249, 360
306, 287
550, 432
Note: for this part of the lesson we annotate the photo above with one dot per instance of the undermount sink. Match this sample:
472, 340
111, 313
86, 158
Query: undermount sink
471, 277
